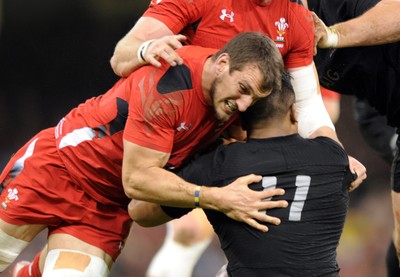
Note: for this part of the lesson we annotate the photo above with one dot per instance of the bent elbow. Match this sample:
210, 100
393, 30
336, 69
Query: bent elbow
130, 187
119, 68
115, 67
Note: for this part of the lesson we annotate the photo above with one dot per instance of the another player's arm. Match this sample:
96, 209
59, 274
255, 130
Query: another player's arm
126, 57
147, 214
312, 115
311, 112
145, 179
379, 25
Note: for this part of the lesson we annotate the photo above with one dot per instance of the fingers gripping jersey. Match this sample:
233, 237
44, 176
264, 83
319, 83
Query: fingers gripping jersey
212, 23
162, 109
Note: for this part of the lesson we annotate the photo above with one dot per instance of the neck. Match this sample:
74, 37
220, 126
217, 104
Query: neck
264, 134
273, 129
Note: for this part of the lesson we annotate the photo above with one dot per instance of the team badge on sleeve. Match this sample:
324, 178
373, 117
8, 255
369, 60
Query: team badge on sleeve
11, 196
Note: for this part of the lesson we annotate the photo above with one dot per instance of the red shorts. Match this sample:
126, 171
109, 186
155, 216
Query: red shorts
39, 190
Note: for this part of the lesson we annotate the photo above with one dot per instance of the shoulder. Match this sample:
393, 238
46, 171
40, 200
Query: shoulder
329, 146
176, 14
299, 14
321, 151
181, 6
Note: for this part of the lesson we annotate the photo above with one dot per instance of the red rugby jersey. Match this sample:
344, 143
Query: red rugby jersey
160, 108
213, 23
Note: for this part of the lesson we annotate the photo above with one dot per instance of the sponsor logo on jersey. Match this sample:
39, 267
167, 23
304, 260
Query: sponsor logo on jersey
184, 127
12, 196
282, 26
225, 15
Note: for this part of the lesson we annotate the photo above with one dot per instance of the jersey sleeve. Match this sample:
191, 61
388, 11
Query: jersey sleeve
151, 117
332, 149
302, 37
176, 14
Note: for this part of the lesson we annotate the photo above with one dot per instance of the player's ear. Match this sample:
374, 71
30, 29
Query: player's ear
222, 63
293, 116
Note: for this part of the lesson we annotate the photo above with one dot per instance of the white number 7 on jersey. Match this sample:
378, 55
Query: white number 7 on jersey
300, 195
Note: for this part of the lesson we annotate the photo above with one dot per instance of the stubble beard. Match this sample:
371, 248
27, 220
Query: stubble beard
221, 116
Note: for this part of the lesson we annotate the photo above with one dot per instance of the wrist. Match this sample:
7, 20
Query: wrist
197, 196
209, 198
332, 40
142, 51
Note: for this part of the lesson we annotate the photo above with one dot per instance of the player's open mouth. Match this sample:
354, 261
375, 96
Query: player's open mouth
231, 106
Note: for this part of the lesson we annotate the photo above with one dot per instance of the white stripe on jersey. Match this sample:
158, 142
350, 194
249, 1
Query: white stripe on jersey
76, 137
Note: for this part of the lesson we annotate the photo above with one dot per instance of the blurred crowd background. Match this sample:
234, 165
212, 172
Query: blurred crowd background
55, 54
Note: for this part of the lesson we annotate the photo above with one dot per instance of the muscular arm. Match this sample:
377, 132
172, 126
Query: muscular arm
125, 60
145, 179
379, 25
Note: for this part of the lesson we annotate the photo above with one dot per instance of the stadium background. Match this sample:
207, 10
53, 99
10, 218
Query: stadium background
55, 54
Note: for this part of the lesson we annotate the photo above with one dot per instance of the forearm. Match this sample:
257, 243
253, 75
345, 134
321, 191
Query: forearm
379, 25
147, 214
311, 113
325, 132
163, 187
124, 60
125, 57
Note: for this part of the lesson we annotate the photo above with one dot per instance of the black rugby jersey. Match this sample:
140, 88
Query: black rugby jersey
313, 173
371, 73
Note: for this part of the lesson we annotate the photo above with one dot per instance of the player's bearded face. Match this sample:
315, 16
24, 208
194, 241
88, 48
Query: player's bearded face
236, 91
224, 107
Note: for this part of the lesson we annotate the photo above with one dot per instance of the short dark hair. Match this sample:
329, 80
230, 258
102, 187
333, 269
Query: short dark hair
277, 104
255, 48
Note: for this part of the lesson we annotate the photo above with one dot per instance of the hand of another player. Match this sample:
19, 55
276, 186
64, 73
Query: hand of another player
321, 34
165, 48
359, 171
241, 203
